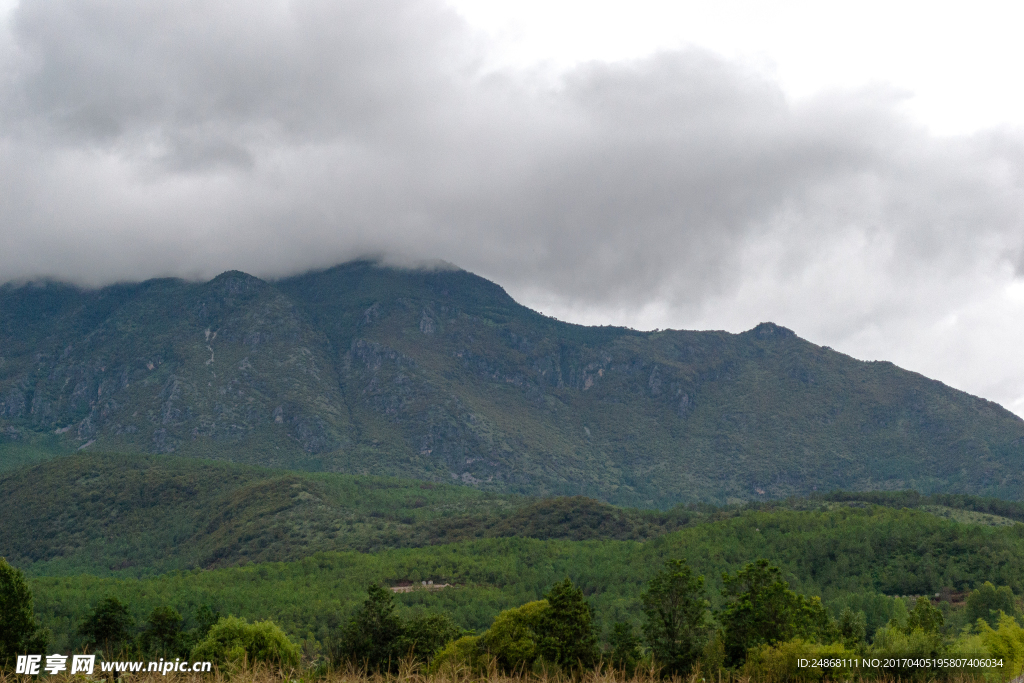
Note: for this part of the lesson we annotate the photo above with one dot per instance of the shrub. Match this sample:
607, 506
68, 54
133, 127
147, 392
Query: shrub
233, 642
513, 638
462, 654
1005, 642
779, 662
897, 644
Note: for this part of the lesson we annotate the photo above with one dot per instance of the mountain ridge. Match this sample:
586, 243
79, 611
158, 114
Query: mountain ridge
440, 375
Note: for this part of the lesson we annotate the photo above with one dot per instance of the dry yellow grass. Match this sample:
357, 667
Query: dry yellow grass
415, 674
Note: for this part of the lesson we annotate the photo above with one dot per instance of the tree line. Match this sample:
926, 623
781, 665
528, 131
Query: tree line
760, 626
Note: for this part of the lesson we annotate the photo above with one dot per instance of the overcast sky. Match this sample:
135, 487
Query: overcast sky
855, 176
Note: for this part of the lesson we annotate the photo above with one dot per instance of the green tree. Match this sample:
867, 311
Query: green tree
567, 628
987, 601
205, 617
677, 617
625, 648
19, 633
375, 634
514, 636
461, 655
761, 609
426, 635
109, 627
233, 642
924, 617
852, 628
163, 635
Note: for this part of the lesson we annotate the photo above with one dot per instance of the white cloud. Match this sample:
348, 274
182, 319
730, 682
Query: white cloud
681, 189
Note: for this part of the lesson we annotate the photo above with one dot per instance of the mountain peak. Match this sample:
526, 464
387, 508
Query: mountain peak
236, 283
770, 330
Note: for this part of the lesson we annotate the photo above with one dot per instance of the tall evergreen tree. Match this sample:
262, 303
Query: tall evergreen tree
109, 627
625, 648
567, 635
852, 627
19, 633
761, 608
374, 635
677, 617
163, 635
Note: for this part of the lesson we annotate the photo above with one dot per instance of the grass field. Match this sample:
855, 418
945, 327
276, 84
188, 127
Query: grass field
415, 674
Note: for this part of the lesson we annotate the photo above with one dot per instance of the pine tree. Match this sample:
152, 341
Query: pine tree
374, 635
677, 617
761, 608
163, 634
109, 627
625, 648
19, 633
567, 635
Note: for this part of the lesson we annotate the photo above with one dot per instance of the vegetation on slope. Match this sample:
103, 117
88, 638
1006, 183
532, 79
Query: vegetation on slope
855, 557
130, 515
145, 514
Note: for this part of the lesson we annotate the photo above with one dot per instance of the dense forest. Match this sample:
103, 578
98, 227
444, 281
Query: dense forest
136, 515
156, 555
863, 559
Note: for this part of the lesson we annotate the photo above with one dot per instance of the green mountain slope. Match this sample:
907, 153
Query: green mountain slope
848, 556
144, 514
135, 515
441, 376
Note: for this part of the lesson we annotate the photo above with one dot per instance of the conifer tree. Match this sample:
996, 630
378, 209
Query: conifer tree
567, 628
109, 627
677, 617
19, 633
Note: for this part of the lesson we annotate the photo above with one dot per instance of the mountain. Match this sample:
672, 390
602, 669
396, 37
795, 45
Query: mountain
439, 375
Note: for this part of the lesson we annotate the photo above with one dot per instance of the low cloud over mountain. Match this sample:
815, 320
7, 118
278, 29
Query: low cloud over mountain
677, 190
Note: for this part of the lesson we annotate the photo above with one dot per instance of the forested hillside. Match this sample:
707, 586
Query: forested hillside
137, 515
146, 514
441, 376
856, 557
193, 542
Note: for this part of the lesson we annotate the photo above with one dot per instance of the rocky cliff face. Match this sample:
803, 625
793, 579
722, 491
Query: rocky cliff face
440, 375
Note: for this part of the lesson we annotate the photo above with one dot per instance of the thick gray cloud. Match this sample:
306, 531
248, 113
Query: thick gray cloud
187, 138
